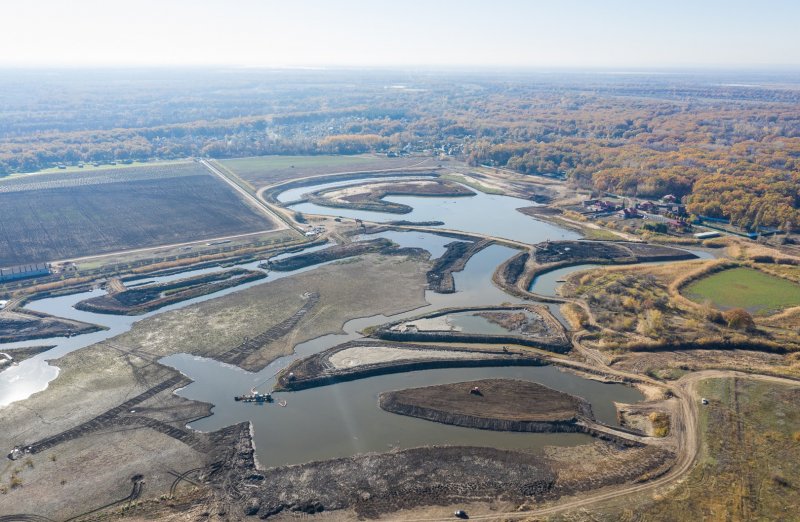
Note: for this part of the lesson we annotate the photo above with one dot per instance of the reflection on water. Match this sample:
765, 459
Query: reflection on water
32, 375
290, 195
483, 213
345, 419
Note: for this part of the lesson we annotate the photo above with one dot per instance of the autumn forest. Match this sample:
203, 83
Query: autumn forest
729, 149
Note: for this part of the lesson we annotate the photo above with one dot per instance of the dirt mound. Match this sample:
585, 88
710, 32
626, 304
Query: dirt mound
500, 404
383, 483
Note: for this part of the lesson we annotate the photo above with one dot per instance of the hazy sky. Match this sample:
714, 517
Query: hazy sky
553, 33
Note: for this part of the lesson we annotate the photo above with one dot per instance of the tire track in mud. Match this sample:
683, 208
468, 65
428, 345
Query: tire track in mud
106, 419
239, 353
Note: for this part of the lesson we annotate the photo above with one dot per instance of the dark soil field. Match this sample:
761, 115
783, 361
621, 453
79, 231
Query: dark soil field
445, 478
47, 218
500, 399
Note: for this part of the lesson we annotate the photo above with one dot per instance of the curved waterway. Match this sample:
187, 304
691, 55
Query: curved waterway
32, 375
549, 282
295, 194
487, 214
344, 419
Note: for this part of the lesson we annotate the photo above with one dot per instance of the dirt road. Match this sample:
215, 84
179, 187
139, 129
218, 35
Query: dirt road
252, 200
686, 431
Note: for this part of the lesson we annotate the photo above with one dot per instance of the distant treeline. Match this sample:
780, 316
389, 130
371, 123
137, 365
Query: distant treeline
726, 149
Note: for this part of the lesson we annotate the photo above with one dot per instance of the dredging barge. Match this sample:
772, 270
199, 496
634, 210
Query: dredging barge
254, 397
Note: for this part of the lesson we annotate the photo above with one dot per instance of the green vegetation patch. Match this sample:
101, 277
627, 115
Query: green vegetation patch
755, 291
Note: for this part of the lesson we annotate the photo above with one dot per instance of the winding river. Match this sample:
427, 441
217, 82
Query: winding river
344, 419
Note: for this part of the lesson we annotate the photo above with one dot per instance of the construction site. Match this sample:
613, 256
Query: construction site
374, 368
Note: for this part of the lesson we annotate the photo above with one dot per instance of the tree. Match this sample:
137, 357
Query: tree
739, 319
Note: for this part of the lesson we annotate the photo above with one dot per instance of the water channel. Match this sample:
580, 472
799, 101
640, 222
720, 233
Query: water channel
488, 214
344, 419
548, 282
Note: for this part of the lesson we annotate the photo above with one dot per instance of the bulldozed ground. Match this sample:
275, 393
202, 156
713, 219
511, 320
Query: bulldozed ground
378, 484
501, 404
109, 417
279, 314
114, 401
121, 443
61, 216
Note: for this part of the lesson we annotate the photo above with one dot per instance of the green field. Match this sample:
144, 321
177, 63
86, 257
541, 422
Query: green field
89, 167
260, 171
755, 291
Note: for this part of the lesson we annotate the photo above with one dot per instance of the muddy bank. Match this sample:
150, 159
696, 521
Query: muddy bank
405, 223
498, 404
376, 484
272, 194
372, 485
455, 258
379, 246
146, 298
16, 355
369, 196
317, 370
550, 335
514, 276
23, 325
511, 270
539, 211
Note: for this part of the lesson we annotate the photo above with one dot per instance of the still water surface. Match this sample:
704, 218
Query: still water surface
344, 419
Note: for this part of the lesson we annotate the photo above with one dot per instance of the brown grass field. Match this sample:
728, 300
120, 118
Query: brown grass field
260, 171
